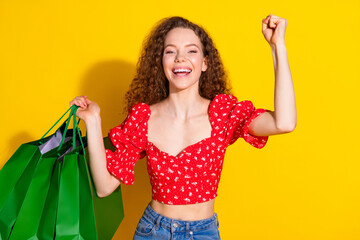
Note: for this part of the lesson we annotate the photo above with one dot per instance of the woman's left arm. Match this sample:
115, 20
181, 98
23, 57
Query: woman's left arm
283, 118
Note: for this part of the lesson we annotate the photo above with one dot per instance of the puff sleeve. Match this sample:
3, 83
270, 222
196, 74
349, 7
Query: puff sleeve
129, 139
241, 114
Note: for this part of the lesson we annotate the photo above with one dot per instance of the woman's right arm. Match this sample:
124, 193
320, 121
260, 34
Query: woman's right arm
89, 112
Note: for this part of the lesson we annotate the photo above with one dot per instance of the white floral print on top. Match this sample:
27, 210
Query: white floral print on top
193, 175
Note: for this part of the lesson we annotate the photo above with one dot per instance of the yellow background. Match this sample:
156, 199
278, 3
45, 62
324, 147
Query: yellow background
302, 185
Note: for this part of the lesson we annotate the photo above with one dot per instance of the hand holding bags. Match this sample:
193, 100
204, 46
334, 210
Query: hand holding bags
47, 191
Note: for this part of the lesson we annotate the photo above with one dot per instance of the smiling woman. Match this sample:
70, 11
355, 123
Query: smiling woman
184, 39
182, 116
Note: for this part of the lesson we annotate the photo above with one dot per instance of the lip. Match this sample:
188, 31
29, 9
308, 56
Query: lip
182, 75
179, 76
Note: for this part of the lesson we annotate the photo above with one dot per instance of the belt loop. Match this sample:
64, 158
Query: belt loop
171, 228
158, 222
187, 228
217, 220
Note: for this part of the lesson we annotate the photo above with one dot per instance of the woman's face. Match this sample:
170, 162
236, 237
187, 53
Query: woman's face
183, 58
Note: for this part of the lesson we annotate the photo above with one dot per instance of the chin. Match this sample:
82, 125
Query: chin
181, 86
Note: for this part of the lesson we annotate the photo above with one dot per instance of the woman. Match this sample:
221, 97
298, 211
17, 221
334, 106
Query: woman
182, 116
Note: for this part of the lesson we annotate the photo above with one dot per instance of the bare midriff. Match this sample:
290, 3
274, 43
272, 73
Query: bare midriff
188, 212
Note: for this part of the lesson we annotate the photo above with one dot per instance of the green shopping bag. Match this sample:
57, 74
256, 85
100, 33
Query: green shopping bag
36, 218
78, 220
36, 209
81, 214
17, 173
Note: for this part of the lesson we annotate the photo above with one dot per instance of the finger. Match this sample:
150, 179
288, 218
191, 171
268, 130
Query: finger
273, 22
83, 104
73, 102
264, 27
274, 18
80, 103
81, 100
266, 19
265, 23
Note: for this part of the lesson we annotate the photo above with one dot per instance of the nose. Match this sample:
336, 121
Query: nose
179, 58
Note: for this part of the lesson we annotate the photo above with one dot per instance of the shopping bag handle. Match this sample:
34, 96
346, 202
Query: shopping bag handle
75, 128
59, 121
67, 125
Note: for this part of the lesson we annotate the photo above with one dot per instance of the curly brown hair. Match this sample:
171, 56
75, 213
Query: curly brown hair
150, 84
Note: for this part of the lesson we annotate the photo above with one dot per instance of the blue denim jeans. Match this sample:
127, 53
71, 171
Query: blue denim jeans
153, 225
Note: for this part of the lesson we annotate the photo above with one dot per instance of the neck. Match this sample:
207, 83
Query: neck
184, 104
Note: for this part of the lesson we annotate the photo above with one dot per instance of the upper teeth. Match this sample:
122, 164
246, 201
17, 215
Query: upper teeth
182, 70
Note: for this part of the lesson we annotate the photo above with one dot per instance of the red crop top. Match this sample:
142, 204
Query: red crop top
193, 175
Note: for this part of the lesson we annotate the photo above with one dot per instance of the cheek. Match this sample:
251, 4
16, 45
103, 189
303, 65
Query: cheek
166, 61
197, 61
166, 64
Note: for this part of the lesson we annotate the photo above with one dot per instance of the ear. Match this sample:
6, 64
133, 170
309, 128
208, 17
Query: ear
205, 64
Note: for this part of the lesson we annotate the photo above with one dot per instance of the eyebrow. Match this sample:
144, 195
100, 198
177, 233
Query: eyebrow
188, 45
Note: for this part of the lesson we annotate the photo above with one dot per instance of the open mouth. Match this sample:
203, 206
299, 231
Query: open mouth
181, 72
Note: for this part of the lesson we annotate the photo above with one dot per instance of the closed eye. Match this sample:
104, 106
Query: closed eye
193, 51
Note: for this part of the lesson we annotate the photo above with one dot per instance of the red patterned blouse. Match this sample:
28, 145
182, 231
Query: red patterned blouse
193, 175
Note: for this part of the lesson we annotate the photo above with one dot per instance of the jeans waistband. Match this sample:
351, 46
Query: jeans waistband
179, 225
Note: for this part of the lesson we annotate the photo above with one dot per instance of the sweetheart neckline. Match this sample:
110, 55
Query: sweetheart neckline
181, 153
